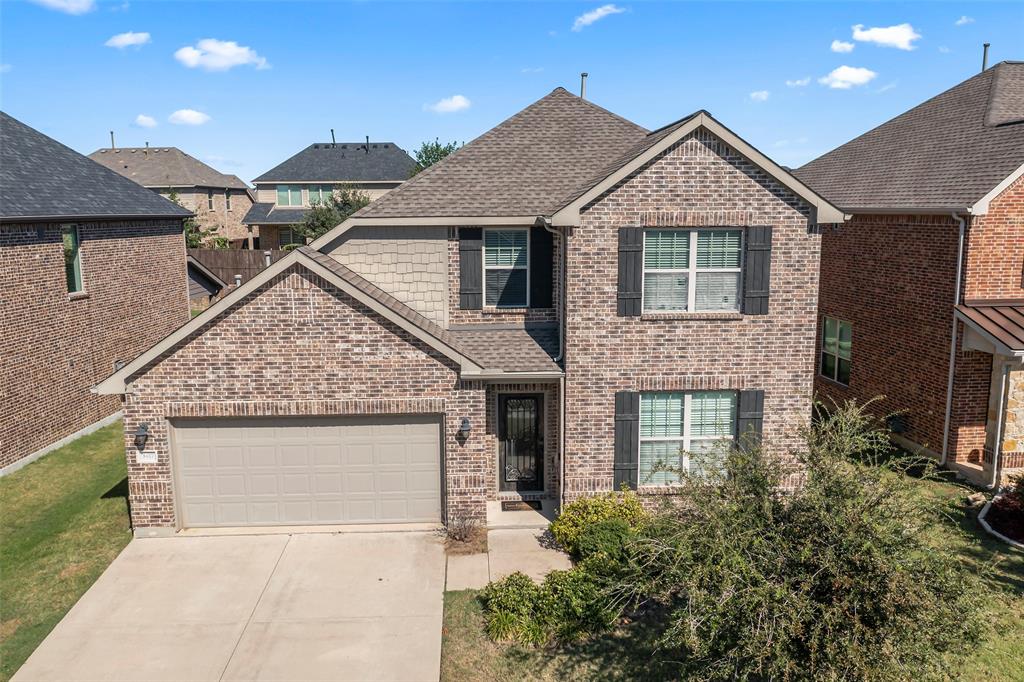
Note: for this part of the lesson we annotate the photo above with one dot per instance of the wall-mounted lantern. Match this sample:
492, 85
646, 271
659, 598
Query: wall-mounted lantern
141, 435
464, 427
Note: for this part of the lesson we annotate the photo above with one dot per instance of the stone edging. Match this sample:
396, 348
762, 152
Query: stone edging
993, 532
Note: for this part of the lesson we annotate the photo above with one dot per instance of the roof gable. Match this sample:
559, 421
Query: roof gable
164, 167
344, 162
41, 178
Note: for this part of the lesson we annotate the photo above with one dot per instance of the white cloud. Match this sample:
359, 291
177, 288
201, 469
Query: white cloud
901, 36
846, 77
6, 68
219, 55
964, 20
759, 95
188, 117
587, 18
129, 39
449, 104
842, 46
68, 6
799, 82
536, 69
144, 121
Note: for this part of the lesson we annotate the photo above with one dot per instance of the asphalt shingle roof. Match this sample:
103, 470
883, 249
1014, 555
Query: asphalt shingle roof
344, 162
164, 167
524, 166
41, 178
946, 153
267, 213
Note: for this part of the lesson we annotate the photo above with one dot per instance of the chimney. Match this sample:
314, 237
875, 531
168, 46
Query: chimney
984, 56
113, 146
583, 85
367, 144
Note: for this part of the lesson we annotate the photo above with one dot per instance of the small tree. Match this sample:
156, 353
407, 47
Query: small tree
195, 236
324, 216
430, 153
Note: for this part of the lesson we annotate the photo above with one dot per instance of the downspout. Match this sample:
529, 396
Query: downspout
997, 451
563, 240
952, 342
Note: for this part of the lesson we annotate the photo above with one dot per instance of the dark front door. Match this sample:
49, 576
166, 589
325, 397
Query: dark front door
520, 442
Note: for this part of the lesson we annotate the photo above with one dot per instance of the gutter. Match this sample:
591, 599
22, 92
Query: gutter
952, 341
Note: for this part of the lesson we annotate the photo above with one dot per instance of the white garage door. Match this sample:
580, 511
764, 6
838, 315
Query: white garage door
296, 471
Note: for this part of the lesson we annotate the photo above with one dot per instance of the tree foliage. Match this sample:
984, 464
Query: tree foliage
430, 153
324, 216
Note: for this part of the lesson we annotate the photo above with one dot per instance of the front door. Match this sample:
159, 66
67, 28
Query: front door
520, 443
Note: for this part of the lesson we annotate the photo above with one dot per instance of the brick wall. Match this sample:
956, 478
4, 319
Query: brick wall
698, 182
995, 249
57, 346
300, 346
227, 223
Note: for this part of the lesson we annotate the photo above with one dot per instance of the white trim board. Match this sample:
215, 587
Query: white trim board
980, 207
28, 459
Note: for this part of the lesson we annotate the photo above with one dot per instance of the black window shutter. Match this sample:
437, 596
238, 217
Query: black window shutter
750, 418
631, 270
627, 438
471, 289
541, 255
757, 270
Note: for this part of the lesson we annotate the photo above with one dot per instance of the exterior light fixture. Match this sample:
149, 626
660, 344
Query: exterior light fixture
464, 426
141, 435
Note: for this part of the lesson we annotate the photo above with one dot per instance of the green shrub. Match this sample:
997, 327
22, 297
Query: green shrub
606, 537
587, 511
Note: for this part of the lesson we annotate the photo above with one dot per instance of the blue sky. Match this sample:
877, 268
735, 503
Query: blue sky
268, 78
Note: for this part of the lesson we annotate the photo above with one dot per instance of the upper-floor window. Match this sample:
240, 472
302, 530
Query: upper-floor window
320, 193
681, 432
209, 199
227, 199
289, 195
692, 270
507, 268
836, 346
72, 258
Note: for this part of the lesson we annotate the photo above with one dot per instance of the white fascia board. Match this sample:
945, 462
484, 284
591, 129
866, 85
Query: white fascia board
980, 207
426, 221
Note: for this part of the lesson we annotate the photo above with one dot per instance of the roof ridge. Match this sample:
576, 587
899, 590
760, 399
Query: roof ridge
602, 109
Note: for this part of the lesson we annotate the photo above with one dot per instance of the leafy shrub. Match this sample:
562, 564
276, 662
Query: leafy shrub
606, 537
587, 511
511, 604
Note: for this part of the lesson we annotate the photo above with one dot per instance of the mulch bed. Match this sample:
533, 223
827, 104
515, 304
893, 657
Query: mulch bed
1006, 515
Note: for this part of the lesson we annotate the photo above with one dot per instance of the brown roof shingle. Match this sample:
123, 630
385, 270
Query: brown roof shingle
511, 348
946, 153
164, 167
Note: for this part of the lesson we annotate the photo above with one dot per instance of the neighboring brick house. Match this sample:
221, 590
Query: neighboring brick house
219, 201
81, 249
937, 200
539, 325
285, 192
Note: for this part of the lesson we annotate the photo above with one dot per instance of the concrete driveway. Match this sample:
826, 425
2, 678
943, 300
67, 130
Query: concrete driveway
358, 606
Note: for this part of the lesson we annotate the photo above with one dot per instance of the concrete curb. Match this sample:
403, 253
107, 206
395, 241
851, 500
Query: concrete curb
990, 530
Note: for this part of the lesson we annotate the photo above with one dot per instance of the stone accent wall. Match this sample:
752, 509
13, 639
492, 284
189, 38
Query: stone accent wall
995, 252
227, 223
300, 346
410, 263
57, 345
1013, 423
550, 420
698, 182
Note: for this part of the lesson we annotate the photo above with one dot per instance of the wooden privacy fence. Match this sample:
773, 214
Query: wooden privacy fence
231, 264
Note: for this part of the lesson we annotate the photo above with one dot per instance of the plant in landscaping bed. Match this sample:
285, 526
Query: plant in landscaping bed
464, 535
587, 511
1006, 515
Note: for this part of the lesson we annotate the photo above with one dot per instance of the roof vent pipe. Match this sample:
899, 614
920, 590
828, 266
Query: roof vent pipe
984, 56
147, 148
333, 142
583, 85
367, 144
113, 147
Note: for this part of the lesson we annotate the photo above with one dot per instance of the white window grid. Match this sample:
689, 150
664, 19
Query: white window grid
486, 267
686, 441
690, 271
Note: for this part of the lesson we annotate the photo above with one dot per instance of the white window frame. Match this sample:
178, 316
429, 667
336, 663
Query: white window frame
691, 271
836, 355
687, 439
485, 267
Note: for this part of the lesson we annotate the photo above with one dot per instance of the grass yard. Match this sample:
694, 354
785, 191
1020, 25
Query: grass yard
468, 654
63, 519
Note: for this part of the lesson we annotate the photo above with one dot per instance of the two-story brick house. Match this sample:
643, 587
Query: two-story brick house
922, 298
285, 192
542, 324
219, 201
92, 272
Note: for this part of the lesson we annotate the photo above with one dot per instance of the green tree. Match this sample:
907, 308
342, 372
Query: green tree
430, 153
324, 216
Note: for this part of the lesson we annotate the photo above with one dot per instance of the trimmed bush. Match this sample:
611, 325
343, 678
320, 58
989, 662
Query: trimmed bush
606, 537
588, 511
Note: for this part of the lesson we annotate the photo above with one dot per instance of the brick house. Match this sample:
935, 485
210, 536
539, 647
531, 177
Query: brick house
285, 192
80, 250
922, 299
539, 325
219, 201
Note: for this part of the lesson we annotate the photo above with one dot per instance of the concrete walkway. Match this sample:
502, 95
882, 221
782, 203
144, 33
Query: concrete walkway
528, 550
262, 607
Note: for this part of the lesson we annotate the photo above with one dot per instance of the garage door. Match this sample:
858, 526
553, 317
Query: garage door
296, 471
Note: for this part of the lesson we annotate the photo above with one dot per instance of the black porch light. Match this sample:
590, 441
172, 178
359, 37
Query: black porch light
465, 426
141, 435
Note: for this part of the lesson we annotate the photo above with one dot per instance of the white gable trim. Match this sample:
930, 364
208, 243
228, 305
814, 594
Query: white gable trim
981, 206
826, 212
116, 383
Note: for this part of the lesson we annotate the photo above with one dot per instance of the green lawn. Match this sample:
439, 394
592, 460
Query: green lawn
467, 653
63, 519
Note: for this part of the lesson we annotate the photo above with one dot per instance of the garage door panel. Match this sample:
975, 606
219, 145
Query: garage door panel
266, 471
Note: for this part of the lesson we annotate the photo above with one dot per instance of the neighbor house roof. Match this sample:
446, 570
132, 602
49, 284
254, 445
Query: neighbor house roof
947, 153
344, 162
267, 213
164, 167
42, 179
